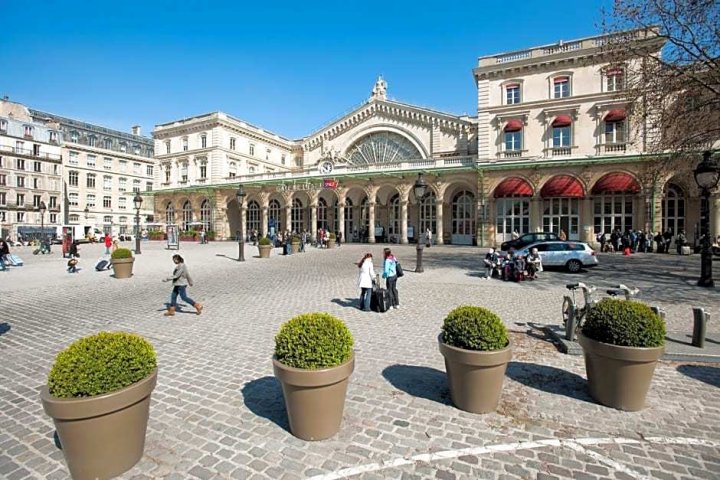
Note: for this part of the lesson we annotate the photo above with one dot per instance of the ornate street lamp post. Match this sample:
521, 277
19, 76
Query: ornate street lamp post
240, 195
138, 203
707, 175
420, 190
87, 213
43, 208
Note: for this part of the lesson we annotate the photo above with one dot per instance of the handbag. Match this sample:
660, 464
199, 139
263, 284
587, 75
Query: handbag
399, 270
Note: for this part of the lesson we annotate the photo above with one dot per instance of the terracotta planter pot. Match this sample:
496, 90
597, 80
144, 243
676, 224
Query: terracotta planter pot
619, 377
314, 399
265, 250
122, 267
331, 243
294, 248
475, 377
102, 436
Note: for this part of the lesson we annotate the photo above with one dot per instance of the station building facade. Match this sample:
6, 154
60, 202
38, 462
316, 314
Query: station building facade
554, 146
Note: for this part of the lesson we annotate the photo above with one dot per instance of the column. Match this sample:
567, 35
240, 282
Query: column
264, 220
536, 214
439, 222
288, 217
371, 222
341, 221
313, 219
587, 230
714, 216
403, 222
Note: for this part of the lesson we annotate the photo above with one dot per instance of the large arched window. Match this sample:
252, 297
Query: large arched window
274, 214
673, 209
187, 214
169, 213
322, 214
349, 224
394, 215
298, 216
206, 215
253, 217
382, 148
463, 218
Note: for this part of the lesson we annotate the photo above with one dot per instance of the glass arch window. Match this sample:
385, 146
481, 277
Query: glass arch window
206, 215
322, 214
463, 218
274, 214
169, 213
187, 214
349, 234
394, 215
297, 216
673, 209
381, 148
428, 214
252, 221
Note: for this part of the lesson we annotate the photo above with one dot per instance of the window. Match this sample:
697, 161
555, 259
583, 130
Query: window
203, 169
232, 143
73, 158
36, 201
614, 79
20, 164
206, 214
90, 201
282, 159
91, 161
36, 183
92, 140
73, 199
3, 179
53, 218
108, 143
136, 149
123, 165
28, 131
73, 178
136, 186
561, 87
3, 217
1, 162
233, 170
90, 180
20, 199
512, 94
74, 136
123, 147
107, 219
53, 137
169, 213
20, 147
267, 154
122, 203
53, 202
20, 217
148, 186
149, 170
252, 149
561, 137
187, 214
615, 132
20, 181
184, 144
36, 149
513, 141
3, 125
107, 202
107, 182
107, 163
122, 184
251, 170
167, 174
203, 141
56, 169
167, 147
3, 198
137, 168
37, 166
184, 172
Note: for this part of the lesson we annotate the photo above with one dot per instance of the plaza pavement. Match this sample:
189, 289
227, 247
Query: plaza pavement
217, 411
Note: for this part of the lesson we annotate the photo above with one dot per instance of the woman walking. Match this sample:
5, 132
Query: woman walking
365, 279
390, 276
181, 279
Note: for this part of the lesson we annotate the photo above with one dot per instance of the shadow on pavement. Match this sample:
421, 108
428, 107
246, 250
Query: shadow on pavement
4, 328
550, 379
346, 302
264, 398
704, 373
422, 382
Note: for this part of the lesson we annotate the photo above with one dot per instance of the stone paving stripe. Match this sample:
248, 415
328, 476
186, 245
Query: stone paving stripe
575, 444
619, 467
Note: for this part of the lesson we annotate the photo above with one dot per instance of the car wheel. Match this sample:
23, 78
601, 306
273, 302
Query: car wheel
574, 266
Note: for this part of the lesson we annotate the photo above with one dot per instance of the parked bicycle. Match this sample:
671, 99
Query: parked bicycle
573, 315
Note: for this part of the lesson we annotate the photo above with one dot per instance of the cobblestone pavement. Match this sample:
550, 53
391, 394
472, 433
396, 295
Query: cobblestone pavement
217, 411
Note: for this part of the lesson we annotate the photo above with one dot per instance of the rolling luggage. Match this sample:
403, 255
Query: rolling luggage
380, 300
14, 260
102, 264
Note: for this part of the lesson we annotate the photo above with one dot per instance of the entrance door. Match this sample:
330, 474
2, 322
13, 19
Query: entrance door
463, 218
513, 215
562, 214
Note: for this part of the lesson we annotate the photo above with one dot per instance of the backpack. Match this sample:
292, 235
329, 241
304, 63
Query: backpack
398, 269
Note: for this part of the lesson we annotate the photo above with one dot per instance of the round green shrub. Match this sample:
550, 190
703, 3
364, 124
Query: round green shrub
624, 323
121, 253
474, 328
264, 241
312, 341
101, 363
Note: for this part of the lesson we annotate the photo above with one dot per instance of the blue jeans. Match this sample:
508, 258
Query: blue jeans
365, 295
180, 290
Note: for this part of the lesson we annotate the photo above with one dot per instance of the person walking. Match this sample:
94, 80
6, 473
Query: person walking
108, 243
4, 253
365, 279
390, 276
181, 280
428, 238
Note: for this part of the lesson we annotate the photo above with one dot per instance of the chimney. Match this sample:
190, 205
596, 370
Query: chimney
136, 129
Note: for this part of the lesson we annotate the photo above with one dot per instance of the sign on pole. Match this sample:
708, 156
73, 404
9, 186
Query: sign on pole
173, 239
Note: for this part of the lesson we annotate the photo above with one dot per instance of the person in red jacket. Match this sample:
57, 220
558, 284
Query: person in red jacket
108, 243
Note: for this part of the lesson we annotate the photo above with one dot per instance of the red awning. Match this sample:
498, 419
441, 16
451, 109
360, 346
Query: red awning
562, 121
614, 71
513, 187
560, 79
562, 186
514, 125
615, 115
616, 183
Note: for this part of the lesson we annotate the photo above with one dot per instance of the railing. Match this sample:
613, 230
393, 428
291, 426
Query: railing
511, 153
562, 47
30, 153
513, 57
558, 151
614, 147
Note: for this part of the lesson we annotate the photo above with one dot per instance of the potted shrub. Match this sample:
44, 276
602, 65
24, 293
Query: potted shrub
98, 395
476, 348
622, 341
265, 246
295, 244
313, 361
122, 262
331, 240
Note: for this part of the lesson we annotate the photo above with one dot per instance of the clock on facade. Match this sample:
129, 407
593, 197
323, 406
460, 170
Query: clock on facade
325, 167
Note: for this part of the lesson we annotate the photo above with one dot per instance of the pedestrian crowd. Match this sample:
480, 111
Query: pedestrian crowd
513, 266
637, 241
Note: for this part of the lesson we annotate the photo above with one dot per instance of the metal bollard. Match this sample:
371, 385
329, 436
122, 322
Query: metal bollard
699, 327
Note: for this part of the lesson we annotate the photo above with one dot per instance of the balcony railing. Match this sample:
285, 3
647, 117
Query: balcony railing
30, 153
559, 151
614, 147
511, 153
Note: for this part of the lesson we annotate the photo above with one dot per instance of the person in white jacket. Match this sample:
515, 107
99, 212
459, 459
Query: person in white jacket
365, 279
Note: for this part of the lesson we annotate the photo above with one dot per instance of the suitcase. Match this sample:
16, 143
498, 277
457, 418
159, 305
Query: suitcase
380, 300
14, 260
102, 264
685, 250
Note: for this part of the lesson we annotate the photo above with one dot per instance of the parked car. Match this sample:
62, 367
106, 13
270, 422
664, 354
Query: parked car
527, 239
571, 255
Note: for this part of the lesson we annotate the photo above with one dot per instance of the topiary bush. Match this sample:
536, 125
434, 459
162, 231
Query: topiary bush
101, 363
121, 253
264, 241
474, 328
312, 341
624, 323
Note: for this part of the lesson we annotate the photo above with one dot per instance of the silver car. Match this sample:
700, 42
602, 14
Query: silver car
571, 255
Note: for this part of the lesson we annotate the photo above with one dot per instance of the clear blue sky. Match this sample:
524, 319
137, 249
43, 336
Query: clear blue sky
288, 67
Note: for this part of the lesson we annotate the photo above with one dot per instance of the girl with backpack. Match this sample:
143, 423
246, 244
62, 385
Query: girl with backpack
390, 274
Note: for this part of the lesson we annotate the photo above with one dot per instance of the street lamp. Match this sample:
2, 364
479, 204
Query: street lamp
138, 203
240, 195
707, 175
43, 208
87, 212
421, 191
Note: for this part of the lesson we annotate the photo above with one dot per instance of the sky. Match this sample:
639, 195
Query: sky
288, 67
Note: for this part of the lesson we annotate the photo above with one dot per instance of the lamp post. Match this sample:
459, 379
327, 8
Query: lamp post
240, 195
707, 175
86, 212
420, 190
138, 203
43, 208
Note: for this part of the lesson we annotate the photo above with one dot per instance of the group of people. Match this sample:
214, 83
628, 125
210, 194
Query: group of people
512, 267
366, 279
637, 241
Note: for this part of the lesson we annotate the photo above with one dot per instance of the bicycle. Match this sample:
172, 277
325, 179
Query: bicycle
572, 314
627, 291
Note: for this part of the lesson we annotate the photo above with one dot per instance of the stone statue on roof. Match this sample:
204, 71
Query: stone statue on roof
379, 91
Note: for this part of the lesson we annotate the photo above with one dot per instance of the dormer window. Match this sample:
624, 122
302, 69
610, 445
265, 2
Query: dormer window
614, 79
108, 143
512, 94
123, 147
91, 140
53, 137
3, 125
74, 137
28, 131
561, 87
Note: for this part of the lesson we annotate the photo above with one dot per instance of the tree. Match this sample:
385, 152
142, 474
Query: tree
671, 52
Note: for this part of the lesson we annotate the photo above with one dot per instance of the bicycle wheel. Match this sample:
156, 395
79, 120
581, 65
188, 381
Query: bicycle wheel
566, 309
